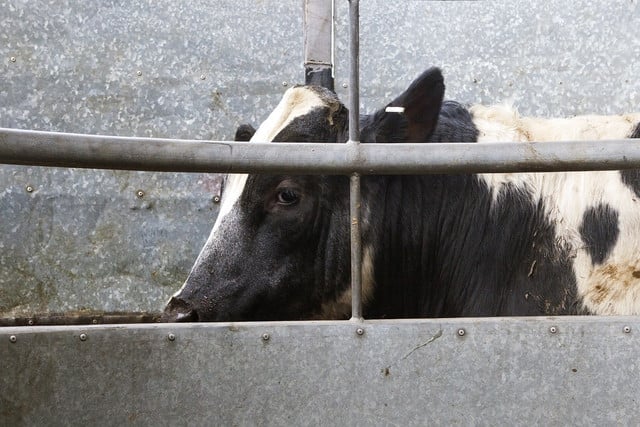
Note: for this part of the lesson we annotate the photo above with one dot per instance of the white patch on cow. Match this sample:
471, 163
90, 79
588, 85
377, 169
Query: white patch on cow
502, 123
340, 308
296, 102
614, 286
232, 192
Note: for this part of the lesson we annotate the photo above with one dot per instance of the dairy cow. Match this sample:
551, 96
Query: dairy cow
433, 245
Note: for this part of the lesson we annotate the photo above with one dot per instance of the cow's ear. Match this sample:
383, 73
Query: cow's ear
244, 133
412, 116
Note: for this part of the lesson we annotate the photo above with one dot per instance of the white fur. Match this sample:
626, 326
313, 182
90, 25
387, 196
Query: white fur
610, 288
296, 102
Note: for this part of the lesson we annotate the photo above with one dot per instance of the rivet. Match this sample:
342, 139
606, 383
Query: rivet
13, 339
216, 199
553, 329
83, 337
461, 332
285, 84
202, 77
12, 59
29, 189
30, 322
360, 331
345, 85
139, 194
94, 321
626, 329
138, 73
265, 337
171, 337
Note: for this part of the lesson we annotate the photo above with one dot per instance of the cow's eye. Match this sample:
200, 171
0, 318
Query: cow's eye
287, 197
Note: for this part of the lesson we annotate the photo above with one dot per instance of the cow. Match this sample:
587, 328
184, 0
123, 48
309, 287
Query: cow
438, 245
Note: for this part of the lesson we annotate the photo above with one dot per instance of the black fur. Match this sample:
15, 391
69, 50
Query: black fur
244, 132
446, 249
599, 231
455, 124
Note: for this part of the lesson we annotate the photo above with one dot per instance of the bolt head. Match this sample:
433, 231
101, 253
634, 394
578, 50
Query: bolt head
626, 329
139, 194
12, 59
285, 84
461, 332
360, 331
83, 337
30, 322
138, 73
171, 337
29, 189
345, 85
216, 199
203, 77
553, 329
266, 337
13, 339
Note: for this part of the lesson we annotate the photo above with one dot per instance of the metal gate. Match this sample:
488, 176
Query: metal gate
438, 371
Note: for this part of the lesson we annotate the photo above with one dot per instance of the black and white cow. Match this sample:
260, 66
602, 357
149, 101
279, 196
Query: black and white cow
433, 245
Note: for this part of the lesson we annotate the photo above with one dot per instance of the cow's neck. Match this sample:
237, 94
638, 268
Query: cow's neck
442, 241
401, 230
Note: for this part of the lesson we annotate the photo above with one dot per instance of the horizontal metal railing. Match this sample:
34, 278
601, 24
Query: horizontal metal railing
25, 147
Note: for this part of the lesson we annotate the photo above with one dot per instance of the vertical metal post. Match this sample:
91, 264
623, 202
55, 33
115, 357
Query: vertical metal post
354, 140
318, 42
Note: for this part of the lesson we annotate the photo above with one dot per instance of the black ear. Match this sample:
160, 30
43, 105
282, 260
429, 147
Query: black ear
244, 133
412, 116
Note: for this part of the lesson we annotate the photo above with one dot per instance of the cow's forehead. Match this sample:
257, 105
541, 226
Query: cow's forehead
296, 102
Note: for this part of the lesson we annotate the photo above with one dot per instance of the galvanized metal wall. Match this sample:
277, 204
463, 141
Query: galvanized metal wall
103, 240
197, 69
494, 372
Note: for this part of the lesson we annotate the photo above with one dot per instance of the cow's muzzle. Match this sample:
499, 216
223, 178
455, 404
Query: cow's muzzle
178, 310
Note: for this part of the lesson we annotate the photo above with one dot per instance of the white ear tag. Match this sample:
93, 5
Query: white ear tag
394, 109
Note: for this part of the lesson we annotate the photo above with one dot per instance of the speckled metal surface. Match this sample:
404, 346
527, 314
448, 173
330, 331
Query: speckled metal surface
188, 69
496, 372
547, 58
196, 69
77, 240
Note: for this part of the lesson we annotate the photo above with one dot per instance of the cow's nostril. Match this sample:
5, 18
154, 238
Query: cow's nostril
177, 310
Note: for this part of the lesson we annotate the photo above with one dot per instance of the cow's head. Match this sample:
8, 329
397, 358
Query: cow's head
279, 248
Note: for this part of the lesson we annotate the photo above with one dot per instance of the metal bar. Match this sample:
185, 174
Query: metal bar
36, 148
356, 248
354, 143
354, 70
318, 43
